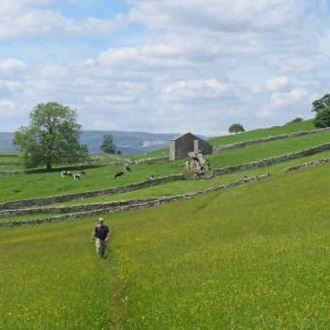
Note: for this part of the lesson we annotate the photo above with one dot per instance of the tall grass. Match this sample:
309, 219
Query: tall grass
51, 279
253, 257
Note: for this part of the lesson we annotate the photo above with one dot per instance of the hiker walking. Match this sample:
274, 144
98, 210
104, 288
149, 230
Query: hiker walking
100, 236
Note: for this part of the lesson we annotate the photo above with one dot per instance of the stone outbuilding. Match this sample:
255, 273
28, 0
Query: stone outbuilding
182, 145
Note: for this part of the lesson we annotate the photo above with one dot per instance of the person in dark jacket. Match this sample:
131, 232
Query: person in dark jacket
100, 237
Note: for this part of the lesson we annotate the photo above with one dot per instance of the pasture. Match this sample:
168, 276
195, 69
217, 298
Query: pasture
254, 257
35, 185
250, 257
305, 125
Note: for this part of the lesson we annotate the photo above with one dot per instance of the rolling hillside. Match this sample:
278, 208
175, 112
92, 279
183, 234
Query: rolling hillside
247, 249
126, 142
170, 178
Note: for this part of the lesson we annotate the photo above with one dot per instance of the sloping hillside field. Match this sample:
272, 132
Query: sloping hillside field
255, 256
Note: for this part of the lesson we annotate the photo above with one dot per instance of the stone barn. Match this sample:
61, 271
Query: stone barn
182, 145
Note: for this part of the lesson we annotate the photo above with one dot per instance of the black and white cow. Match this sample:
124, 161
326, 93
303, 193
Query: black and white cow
65, 174
118, 174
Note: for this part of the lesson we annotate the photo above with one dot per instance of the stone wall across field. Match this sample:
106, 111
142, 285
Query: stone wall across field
308, 164
272, 160
36, 202
42, 170
33, 206
266, 139
82, 211
152, 160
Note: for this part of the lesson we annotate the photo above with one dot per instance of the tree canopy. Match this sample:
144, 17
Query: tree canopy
108, 145
236, 128
322, 118
51, 138
321, 103
322, 108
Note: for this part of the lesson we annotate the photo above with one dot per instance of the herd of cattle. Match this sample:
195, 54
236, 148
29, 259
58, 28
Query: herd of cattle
78, 175
75, 175
196, 163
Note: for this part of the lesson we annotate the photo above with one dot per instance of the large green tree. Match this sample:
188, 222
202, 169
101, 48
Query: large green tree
321, 103
322, 118
236, 128
322, 108
52, 138
108, 145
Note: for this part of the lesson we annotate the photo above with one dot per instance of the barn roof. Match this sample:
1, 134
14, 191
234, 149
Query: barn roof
187, 134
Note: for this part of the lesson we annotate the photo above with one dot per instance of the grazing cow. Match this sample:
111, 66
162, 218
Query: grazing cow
127, 168
65, 174
118, 174
78, 175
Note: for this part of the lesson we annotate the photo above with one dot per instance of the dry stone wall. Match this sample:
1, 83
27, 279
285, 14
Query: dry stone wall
33, 206
80, 211
36, 202
308, 164
272, 160
266, 139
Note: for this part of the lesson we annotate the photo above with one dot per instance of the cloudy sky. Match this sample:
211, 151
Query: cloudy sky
164, 66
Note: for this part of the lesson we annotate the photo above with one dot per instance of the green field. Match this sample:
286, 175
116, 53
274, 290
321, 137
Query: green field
250, 257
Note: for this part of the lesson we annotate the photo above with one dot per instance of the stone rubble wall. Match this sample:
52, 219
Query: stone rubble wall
34, 202
82, 211
77, 211
151, 160
43, 170
272, 160
308, 164
243, 144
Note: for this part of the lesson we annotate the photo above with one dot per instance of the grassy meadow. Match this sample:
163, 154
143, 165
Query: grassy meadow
289, 128
254, 257
22, 186
250, 257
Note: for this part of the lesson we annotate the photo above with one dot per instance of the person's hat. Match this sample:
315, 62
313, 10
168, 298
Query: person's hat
101, 219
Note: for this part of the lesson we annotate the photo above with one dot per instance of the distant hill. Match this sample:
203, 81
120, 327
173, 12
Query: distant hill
6, 142
126, 142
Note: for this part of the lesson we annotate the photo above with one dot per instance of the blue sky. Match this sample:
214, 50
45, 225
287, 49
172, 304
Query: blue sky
163, 66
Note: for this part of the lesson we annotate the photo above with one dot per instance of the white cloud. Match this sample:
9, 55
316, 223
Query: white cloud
278, 83
205, 64
11, 86
217, 14
196, 88
11, 65
36, 18
7, 108
299, 64
324, 43
280, 101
